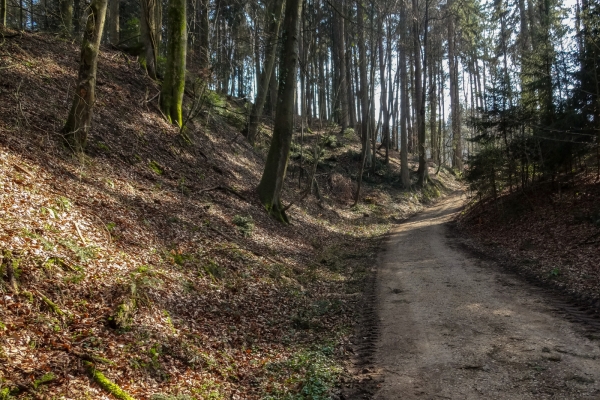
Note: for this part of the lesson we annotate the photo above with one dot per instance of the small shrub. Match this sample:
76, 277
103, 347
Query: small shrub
330, 141
341, 186
245, 224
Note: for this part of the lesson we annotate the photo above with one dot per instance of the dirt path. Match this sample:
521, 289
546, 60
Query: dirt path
454, 327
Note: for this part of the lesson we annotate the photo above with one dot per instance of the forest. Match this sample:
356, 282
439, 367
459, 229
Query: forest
197, 195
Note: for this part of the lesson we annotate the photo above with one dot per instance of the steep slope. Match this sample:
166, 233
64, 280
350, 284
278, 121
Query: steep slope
548, 235
150, 259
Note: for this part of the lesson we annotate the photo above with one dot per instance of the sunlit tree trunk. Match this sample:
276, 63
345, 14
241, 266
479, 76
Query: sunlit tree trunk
79, 120
171, 94
271, 183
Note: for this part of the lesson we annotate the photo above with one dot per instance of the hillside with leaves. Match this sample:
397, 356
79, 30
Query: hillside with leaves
149, 263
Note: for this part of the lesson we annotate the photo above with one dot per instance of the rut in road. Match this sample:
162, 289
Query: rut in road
455, 327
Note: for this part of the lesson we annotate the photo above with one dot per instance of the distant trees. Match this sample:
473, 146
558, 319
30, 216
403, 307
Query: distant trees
455, 84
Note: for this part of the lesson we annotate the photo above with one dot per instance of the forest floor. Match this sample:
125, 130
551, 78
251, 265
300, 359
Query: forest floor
550, 237
150, 259
455, 324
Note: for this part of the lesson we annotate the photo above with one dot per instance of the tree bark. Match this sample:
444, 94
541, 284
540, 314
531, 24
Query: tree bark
454, 99
204, 34
404, 113
364, 87
274, 15
171, 94
271, 183
66, 15
148, 31
421, 73
3, 7
340, 49
114, 27
80, 116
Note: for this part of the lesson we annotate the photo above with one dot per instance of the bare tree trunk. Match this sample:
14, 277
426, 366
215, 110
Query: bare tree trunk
340, 49
364, 87
454, 99
432, 111
80, 116
114, 28
204, 34
349, 92
274, 14
149, 35
3, 7
420, 86
171, 94
404, 172
66, 15
271, 183
385, 126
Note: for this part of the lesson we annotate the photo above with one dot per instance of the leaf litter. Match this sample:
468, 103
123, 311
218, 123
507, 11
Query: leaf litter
209, 297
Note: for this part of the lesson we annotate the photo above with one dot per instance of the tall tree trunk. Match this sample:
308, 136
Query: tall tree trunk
66, 15
364, 87
114, 28
274, 15
385, 125
77, 8
171, 94
149, 35
454, 99
204, 35
340, 49
421, 85
404, 112
3, 7
271, 183
432, 110
349, 84
80, 117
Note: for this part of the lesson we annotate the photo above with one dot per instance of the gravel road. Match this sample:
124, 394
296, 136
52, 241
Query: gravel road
452, 326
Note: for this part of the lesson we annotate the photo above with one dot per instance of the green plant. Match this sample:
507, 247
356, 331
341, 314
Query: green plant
154, 166
554, 272
245, 224
313, 376
103, 146
84, 254
63, 203
46, 378
160, 396
214, 270
330, 141
5, 394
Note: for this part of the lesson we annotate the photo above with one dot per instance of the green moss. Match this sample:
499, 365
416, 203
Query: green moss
106, 383
5, 394
46, 378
